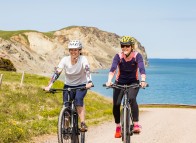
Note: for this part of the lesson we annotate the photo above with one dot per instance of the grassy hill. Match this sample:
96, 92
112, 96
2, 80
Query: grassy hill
27, 111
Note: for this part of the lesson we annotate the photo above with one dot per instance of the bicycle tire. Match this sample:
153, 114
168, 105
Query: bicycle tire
128, 126
82, 137
75, 130
64, 126
125, 125
122, 123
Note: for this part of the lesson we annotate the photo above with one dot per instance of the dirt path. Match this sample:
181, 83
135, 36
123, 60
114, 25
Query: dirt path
159, 125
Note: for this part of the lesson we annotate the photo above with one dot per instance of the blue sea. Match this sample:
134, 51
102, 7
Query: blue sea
171, 81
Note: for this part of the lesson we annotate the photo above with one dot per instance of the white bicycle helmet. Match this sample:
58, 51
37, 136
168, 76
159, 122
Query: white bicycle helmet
74, 44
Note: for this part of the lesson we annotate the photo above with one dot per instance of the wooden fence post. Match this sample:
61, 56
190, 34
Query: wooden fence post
22, 79
1, 77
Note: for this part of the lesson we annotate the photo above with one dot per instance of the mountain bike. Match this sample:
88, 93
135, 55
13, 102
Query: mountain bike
68, 130
126, 115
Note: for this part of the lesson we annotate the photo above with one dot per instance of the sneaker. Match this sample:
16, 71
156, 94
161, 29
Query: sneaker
118, 132
136, 129
83, 127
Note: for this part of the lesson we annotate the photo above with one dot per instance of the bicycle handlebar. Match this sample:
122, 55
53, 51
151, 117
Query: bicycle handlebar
124, 86
67, 89
54, 90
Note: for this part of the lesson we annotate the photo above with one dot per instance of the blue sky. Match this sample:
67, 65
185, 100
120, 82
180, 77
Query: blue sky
166, 28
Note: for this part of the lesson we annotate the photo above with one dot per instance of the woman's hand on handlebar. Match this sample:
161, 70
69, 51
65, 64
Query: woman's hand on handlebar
89, 85
143, 84
47, 88
108, 84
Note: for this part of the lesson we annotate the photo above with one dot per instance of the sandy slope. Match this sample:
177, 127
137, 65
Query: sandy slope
159, 125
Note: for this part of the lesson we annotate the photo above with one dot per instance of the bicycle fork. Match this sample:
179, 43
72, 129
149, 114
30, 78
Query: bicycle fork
74, 119
127, 117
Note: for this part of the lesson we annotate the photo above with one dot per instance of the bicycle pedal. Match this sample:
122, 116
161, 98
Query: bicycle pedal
136, 133
82, 130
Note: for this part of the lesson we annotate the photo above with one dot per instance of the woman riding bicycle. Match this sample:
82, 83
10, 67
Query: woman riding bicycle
77, 73
128, 61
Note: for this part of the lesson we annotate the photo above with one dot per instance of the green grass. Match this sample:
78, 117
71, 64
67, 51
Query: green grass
98, 109
49, 34
8, 34
69, 27
28, 111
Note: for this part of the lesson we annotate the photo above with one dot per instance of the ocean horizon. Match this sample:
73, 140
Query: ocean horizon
171, 81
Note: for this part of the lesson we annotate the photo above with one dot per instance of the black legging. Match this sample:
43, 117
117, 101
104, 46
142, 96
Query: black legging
117, 98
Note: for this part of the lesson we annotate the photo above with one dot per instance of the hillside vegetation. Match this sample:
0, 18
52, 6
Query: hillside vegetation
6, 64
27, 111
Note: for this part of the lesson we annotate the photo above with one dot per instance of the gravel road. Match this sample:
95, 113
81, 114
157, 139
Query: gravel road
159, 125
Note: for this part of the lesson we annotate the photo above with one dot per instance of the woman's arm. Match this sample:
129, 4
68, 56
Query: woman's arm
142, 70
55, 76
113, 68
86, 65
141, 66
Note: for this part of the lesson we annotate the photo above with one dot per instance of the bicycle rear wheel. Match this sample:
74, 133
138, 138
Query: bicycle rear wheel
64, 126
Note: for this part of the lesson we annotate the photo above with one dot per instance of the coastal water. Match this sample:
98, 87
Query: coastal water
172, 81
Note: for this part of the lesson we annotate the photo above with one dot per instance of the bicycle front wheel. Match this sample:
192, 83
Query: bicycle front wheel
82, 137
75, 131
125, 125
64, 126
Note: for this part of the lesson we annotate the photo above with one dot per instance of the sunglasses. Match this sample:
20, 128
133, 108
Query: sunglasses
127, 46
73, 49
